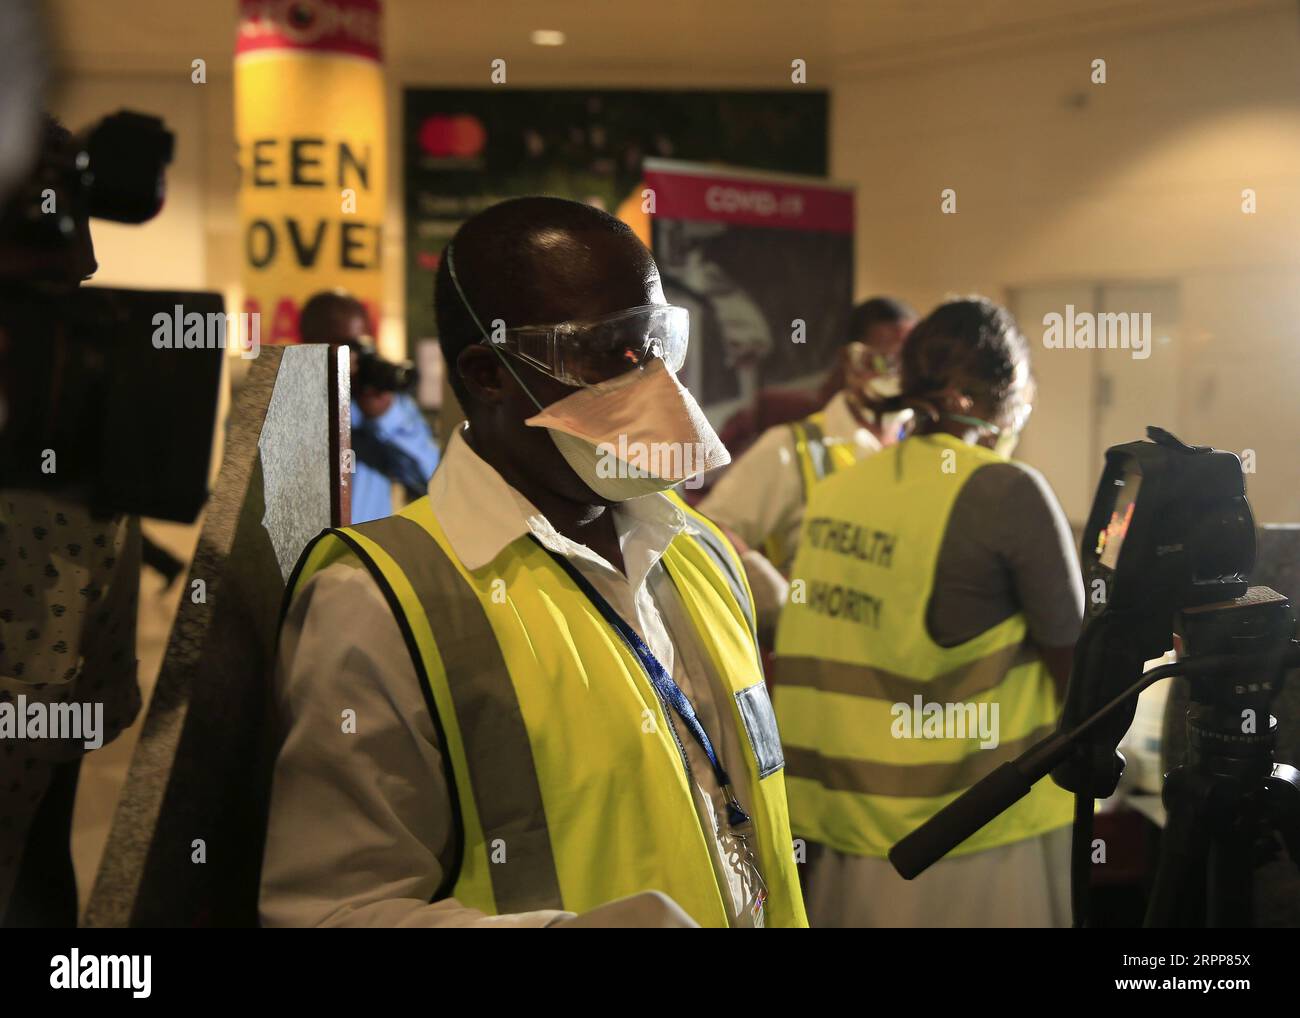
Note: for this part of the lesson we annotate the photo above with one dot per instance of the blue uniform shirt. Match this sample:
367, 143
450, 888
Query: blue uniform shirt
395, 446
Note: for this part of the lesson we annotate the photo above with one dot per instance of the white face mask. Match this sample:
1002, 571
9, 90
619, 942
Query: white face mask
884, 386
634, 435
1006, 443
1008, 437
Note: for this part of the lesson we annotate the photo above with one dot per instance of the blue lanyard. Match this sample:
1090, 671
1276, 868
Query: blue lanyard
669, 692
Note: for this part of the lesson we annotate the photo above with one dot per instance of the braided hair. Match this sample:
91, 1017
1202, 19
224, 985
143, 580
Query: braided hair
970, 345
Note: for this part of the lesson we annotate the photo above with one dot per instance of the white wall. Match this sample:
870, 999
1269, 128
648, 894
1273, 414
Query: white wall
1058, 180
1061, 180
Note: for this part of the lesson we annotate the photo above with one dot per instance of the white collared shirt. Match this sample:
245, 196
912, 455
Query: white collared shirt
361, 823
761, 494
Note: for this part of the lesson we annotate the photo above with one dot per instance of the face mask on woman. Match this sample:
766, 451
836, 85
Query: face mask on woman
1008, 436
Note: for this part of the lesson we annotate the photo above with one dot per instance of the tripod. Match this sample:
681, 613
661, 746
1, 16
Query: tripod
1170, 538
1222, 804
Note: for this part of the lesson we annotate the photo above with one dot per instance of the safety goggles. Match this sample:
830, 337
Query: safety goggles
589, 352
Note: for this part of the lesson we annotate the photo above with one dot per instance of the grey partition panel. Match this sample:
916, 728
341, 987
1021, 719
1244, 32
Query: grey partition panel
200, 774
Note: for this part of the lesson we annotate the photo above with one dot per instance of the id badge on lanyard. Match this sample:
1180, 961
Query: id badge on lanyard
755, 889
739, 824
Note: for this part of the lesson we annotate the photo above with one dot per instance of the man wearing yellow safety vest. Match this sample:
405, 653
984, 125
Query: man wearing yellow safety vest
934, 605
533, 697
760, 498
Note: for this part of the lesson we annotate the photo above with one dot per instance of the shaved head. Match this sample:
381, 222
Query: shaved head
531, 261
536, 261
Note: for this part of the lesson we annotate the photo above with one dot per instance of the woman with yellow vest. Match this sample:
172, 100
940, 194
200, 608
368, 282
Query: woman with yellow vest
533, 697
934, 605
760, 498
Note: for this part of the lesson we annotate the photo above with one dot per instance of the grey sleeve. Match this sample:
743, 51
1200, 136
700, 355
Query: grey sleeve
361, 821
1034, 540
1008, 547
1039, 547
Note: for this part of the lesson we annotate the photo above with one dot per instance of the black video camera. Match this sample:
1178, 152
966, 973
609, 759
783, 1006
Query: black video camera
1170, 528
93, 406
373, 372
1168, 547
96, 412
115, 170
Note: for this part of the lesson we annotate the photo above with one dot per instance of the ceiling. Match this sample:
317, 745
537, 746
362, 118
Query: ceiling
453, 40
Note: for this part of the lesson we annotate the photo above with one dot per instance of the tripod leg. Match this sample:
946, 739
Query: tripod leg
1230, 892
1184, 847
1282, 796
1081, 860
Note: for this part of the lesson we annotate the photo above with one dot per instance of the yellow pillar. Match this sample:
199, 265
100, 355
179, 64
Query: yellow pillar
309, 123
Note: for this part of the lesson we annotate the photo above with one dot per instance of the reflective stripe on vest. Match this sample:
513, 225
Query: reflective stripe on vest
514, 694
966, 681
816, 457
706, 534
499, 756
882, 727
870, 777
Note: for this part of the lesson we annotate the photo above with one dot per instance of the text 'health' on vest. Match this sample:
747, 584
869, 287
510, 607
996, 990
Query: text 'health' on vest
874, 546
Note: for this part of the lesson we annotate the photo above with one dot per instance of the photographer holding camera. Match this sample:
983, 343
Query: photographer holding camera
391, 440
69, 580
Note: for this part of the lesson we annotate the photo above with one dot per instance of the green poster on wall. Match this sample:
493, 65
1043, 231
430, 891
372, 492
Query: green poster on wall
466, 149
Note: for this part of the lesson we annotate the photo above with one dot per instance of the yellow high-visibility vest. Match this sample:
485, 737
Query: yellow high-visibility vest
882, 726
568, 785
816, 456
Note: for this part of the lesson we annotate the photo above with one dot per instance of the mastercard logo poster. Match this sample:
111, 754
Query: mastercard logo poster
447, 138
